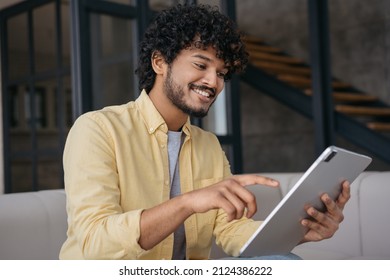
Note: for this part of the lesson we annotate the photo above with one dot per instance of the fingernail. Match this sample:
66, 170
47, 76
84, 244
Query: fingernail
275, 182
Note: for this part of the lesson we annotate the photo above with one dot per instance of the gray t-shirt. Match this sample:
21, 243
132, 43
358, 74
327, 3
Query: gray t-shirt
174, 145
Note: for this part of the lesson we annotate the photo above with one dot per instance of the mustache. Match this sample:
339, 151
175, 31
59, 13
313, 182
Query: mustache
203, 88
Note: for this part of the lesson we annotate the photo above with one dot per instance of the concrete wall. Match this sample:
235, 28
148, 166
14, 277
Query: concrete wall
360, 40
276, 138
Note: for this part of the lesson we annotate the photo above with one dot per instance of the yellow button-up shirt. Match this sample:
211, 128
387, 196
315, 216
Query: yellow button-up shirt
116, 164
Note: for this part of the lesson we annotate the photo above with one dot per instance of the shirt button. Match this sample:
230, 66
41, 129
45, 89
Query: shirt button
162, 146
151, 129
166, 182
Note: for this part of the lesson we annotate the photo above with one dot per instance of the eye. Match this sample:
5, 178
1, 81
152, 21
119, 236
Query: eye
200, 66
221, 75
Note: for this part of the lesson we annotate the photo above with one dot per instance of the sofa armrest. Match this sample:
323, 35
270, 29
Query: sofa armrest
33, 225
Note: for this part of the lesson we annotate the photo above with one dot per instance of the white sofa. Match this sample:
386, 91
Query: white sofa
33, 225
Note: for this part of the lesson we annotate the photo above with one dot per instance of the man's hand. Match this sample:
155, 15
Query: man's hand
324, 225
230, 195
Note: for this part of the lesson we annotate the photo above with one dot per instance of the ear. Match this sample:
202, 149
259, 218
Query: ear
158, 63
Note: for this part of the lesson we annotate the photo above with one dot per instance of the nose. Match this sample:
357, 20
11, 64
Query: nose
211, 79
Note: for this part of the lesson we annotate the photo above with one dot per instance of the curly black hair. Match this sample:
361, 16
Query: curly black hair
176, 28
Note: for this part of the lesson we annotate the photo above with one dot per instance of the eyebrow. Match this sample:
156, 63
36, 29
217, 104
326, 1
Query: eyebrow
202, 57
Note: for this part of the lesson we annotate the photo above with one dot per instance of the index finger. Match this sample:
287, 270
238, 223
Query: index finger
255, 179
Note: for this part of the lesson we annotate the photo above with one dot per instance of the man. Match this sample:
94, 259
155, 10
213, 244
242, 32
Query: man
141, 181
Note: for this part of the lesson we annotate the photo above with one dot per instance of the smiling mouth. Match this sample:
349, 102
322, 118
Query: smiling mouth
204, 91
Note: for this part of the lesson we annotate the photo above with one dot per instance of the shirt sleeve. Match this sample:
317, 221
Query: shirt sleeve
100, 227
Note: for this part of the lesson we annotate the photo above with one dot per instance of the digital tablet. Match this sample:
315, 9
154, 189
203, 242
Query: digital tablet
281, 231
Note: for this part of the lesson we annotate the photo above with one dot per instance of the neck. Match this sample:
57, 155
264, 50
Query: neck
173, 116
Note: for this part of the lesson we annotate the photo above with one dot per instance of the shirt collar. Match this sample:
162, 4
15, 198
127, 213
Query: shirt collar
153, 118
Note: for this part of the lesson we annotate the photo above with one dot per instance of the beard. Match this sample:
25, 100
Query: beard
175, 93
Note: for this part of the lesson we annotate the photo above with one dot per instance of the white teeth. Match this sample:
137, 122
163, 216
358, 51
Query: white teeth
201, 92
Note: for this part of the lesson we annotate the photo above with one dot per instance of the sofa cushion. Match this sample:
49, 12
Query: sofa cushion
374, 214
348, 238
32, 225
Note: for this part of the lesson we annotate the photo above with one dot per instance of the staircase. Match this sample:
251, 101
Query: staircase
360, 117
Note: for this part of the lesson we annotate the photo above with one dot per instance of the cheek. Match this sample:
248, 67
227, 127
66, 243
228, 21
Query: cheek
183, 76
220, 86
